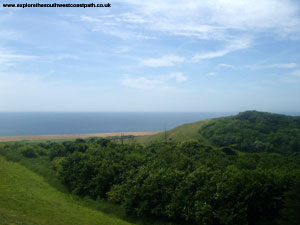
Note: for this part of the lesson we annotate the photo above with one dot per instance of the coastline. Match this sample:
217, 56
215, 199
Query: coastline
73, 136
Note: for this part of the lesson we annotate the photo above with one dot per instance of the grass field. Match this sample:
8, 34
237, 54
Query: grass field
181, 133
25, 198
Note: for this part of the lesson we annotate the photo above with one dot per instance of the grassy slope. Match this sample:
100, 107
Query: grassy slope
181, 133
191, 131
25, 198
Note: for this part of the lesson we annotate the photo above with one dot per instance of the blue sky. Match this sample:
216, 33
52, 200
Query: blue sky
167, 55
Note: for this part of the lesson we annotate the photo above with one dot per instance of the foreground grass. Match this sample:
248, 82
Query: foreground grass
25, 198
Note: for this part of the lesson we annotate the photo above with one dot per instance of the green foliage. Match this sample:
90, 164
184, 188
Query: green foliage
246, 171
291, 210
28, 152
116, 194
247, 196
26, 199
187, 181
253, 131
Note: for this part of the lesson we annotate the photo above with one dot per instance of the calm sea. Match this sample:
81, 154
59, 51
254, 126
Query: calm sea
26, 124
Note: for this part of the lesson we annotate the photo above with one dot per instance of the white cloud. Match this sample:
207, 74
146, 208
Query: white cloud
98, 22
170, 60
205, 19
211, 74
179, 77
9, 35
283, 66
210, 55
291, 80
158, 82
296, 73
9, 58
226, 65
122, 49
64, 57
277, 65
89, 19
18, 78
234, 45
142, 83
126, 35
215, 18
131, 18
115, 26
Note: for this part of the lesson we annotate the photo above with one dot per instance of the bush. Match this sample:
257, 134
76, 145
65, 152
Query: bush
29, 152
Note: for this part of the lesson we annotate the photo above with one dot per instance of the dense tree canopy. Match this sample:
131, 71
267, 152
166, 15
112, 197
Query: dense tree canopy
254, 131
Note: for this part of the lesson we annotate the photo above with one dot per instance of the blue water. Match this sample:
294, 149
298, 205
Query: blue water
33, 123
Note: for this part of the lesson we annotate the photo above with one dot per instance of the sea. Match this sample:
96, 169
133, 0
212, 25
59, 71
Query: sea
48, 123
51, 123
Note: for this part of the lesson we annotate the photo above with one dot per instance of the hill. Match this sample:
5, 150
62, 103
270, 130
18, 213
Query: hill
249, 131
185, 132
253, 131
25, 198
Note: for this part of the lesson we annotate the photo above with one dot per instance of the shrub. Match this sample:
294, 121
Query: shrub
28, 152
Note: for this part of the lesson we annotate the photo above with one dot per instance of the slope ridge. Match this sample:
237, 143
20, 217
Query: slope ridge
25, 198
249, 131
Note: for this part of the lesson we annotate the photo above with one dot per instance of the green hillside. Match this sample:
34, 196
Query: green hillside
184, 132
249, 131
253, 131
25, 198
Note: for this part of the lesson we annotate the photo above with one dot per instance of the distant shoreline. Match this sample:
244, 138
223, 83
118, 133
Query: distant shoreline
73, 136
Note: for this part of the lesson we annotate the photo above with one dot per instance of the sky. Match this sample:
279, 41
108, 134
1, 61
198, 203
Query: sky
144, 56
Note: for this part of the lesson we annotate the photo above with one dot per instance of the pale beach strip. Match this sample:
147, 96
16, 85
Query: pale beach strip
74, 136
